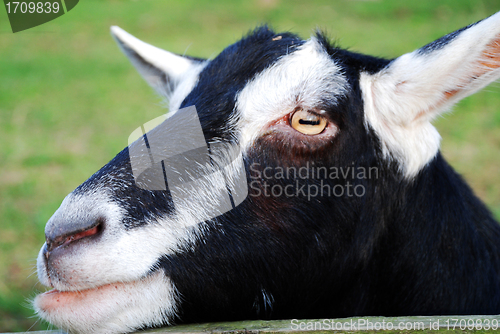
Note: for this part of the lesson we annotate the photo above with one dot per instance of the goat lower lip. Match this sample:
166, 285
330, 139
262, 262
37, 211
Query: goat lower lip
56, 291
87, 290
59, 296
55, 300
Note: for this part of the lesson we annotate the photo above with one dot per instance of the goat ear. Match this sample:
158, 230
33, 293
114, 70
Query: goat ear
161, 69
402, 99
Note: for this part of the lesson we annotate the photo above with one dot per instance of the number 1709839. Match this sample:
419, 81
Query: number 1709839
32, 7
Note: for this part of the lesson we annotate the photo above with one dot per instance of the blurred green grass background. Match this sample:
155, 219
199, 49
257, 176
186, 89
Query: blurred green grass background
69, 99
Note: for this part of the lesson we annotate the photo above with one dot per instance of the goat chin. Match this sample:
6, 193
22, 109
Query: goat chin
111, 308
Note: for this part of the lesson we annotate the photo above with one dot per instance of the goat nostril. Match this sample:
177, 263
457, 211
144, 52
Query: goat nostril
74, 236
83, 234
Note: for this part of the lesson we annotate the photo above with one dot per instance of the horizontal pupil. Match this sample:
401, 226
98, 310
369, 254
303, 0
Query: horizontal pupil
305, 121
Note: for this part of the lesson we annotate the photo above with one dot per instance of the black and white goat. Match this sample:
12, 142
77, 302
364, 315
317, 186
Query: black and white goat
313, 122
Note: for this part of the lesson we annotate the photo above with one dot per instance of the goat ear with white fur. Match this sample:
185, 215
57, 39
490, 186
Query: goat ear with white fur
163, 70
402, 99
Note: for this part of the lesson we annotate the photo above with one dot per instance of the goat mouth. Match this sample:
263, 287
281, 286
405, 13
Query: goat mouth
101, 309
55, 299
69, 296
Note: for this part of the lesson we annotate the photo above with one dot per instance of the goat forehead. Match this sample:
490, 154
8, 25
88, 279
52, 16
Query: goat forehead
308, 78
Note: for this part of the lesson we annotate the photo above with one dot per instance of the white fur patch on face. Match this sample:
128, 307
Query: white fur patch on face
307, 77
112, 308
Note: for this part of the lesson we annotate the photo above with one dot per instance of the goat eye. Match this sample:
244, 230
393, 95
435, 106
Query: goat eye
308, 123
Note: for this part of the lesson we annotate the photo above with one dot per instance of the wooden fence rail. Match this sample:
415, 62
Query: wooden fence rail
379, 325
